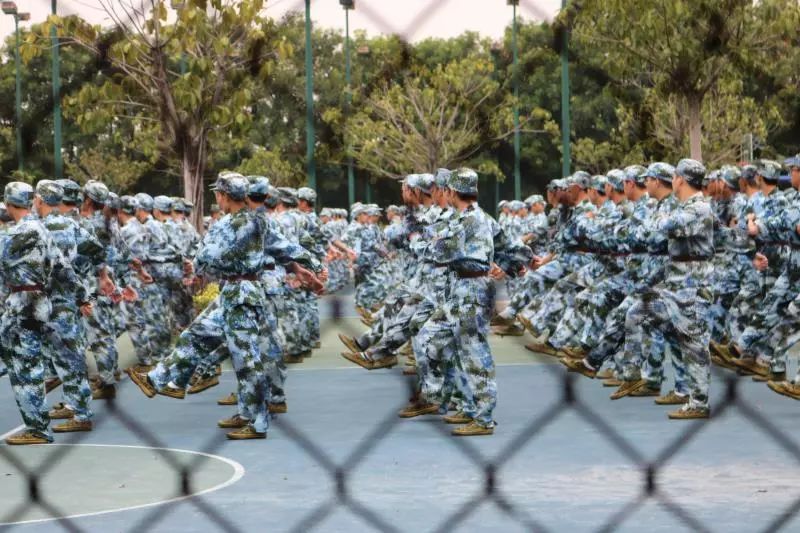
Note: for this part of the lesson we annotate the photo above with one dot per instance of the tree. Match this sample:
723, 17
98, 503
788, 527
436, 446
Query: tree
439, 117
683, 48
186, 85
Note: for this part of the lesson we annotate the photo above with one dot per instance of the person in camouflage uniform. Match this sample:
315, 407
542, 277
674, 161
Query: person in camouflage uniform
29, 263
63, 340
318, 245
774, 228
100, 325
679, 305
236, 250
648, 246
136, 239
163, 265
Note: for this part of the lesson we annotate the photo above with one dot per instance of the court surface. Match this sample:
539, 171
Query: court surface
559, 466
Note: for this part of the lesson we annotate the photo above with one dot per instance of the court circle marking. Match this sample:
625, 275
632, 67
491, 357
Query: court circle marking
238, 473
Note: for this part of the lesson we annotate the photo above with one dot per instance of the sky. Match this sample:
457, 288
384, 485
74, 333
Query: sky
412, 19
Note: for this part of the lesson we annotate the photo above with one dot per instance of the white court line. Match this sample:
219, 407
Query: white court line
11, 432
238, 473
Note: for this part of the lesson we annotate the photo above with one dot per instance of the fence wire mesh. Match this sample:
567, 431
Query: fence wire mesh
489, 490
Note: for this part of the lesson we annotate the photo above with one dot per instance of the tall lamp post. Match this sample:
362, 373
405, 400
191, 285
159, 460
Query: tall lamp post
565, 114
10, 8
310, 137
58, 161
496, 50
365, 52
515, 81
351, 180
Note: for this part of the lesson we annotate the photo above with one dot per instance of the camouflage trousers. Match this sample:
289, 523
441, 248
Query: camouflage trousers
681, 315
610, 345
137, 326
181, 305
470, 306
371, 287
762, 334
311, 316
295, 322
732, 273
546, 311
101, 336
22, 354
434, 347
271, 343
532, 284
582, 324
394, 329
338, 275
237, 328
157, 331
63, 345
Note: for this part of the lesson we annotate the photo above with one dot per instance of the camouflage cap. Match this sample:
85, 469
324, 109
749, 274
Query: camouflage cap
464, 181
307, 194
113, 201
287, 195
749, 173
581, 179
441, 178
411, 181
96, 191
660, 171
50, 192
4, 216
373, 210
144, 201
356, 210
694, 172
616, 178
502, 203
128, 205
162, 203
635, 173
516, 205
426, 183
258, 186
325, 212
233, 184
187, 206
730, 175
598, 183
18, 194
72, 191
792, 162
273, 196
769, 170
534, 199
178, 204
711, 177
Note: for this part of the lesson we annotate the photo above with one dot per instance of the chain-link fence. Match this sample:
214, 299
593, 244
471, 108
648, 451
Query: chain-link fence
492, 462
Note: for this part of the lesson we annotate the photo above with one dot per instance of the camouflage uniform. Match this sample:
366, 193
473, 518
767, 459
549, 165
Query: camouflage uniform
235, 249
64, 340
29, 259
777, 239
100, 325
679, 306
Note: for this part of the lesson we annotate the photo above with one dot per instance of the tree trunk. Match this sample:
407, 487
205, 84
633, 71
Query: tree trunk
695, 104
193, 168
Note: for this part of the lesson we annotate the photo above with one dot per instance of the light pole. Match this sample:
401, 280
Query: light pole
58, 162
496, 50
365, 52
351, 180
10, 8
515, 81
565, 114
312, 171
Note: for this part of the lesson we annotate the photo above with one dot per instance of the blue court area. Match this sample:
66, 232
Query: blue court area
566, 459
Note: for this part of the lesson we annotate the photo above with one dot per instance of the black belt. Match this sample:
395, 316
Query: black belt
471, 275
688, 258
26, 288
